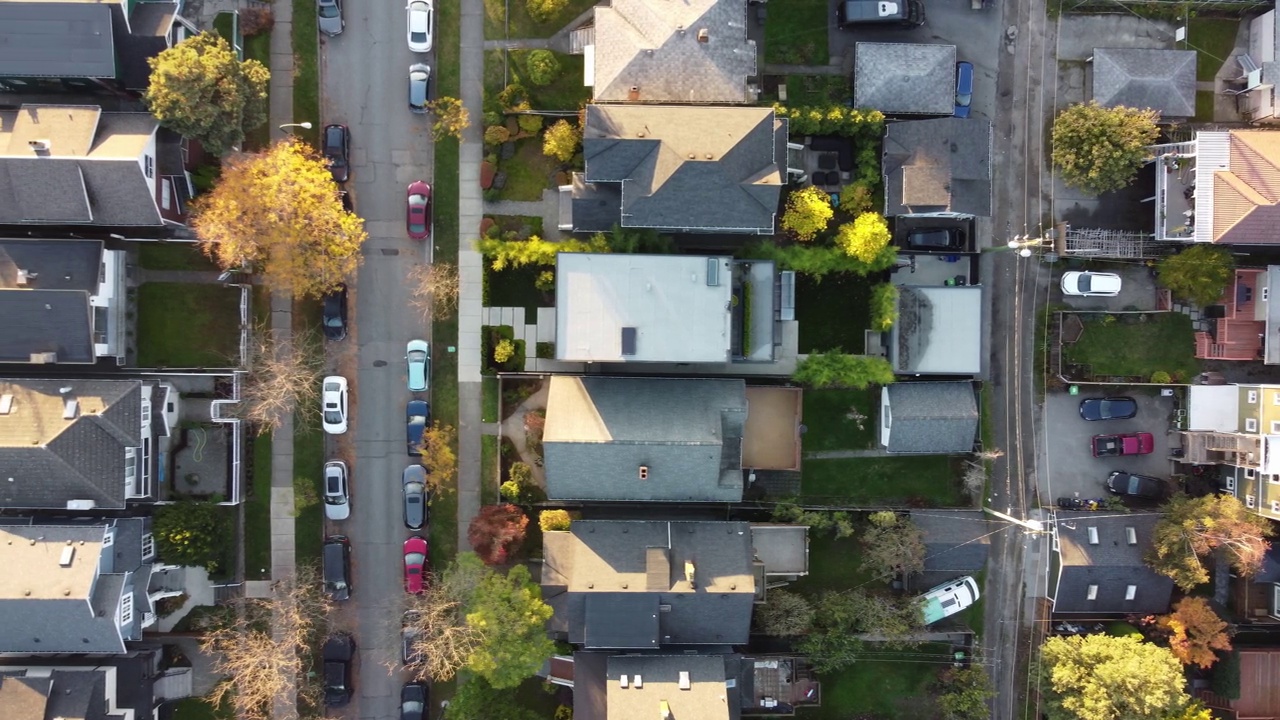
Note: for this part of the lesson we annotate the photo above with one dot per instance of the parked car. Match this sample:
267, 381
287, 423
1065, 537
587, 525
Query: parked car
347, 203
1138, 486
414, 698
1090, 284
421, 17
1108, 408
418, 220
336, 567
410, 649
338, 653
337, 497
334, 399
417, 414
964, 88
418, 356
1140, 443
415, 564
334, 319
417, 498
935, 239
337, 150
331, 22
948, 599
419, 87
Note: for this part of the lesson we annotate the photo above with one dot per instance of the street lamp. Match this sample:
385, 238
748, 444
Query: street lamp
303, 125
1024, 243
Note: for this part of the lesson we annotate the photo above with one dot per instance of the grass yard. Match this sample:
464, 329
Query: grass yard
833, 312
173, 256
201, 709
257, 513
489, 468
1213, 40
833, 565
882, 684
521, 26
796, 33
528, 173
818, 89
523, 225
182, 325
308, 451
1204, 106
832, 422
258, 48
306, 75
1126, 347
566, 92
489, 399
923, 480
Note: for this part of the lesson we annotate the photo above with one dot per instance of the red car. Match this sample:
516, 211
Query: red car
419, 219
1128, 444
415, 564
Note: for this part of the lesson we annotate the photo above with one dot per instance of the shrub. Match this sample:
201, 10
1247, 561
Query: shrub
496, 135
884, 307
546, 350
190, 533
546, 281
552, 520
520, 474
514, 98
561, 141
530, 123
542, 67
510, 491
503, 351
543, 10
492, 117
855, 198
834, 120
496, 532
1160, 377
256, 21
807, 214
1226, 676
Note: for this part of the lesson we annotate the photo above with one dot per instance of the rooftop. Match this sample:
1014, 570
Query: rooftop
939, 331
905, 78
684, 686
42, 39
1163, 80
929, 417
1101, 558
938, 165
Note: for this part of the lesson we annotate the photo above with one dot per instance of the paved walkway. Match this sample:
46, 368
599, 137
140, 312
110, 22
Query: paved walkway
548, 208
186, 277
541, 44
841, 454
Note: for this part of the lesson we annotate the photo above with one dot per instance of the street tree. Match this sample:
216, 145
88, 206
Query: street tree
1099, 149
841, 615
892, 546
201, 90
1195, 632
435, 290
279, 212
511, 252
834, 369
438, 455
496, 532
451, 118
784, 614
864, 238
807, 214
562, 140
1200, 273
1101, 677
1192, 529
281, 377
965, 693
511, 615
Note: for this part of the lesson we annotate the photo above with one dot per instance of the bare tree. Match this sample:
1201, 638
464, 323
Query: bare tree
440, 640
264, 650
435, 290
281, 377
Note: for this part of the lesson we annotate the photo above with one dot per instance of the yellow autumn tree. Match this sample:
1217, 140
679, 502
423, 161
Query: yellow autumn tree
808, 212
279, 213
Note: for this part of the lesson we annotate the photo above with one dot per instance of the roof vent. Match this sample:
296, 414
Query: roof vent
6, 403
622, 681
634, 94
644, 472
1093, 535
68, 554
1131, 535
703, 35
40, 145
70, 409
684, 679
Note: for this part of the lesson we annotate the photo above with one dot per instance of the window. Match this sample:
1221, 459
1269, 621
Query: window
166, 189
148, 546
1130, 592
149, 167
1273, 479
130, 464
109, 537
1275, 398
1231, 484
1093, 593
1250, 501
146, 411
126, 608
1251, 424
1253, 396
1249, 473
1275, 506
1275, 427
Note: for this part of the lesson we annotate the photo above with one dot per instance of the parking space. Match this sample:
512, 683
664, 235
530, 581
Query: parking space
1137, 288
1070, 468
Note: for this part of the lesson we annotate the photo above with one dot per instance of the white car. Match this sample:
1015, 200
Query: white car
1090, 284
337, 494
422, 19
948, 599
334, 404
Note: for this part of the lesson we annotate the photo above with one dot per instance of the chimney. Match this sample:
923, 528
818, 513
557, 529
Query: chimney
70, 409
644, 472
703, 35
688, 572
634, 93
40, 145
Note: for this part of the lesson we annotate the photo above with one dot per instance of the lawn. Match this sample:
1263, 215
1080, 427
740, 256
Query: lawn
818, 89
488, 468
488, 399
1204, 106
834, 312
200, 709
257, 513
308, 451
882, 684
1212, 39
1129, 347
522, 26
514, 287
918, 480
833, 565
797, 33
528, 173
566, 92
832, 422
173, 256
184, 325
258, 48
306, 77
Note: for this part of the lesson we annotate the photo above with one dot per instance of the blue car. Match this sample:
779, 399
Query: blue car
964, 88
417, 417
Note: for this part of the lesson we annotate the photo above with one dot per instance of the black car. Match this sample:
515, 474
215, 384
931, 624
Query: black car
338, 653
1108, 408
414, 697
410, 649
935, 239
417, 416
1137, 486
337, 150
417, 498
337, 567
347, 203
334, 320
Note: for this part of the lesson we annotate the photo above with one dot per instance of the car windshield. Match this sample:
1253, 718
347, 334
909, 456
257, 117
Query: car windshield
417, 356
1135, 483
963, 99
328, 11
332, 417
414, 559
330, 387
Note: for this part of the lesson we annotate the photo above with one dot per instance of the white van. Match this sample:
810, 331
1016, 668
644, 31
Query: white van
948, 599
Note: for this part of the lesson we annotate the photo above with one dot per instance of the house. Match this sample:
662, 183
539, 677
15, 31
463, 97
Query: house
81, 588
1219, 187
79, 444
1241, 325
957, 543
678, 169
905, 78
63, 301
1259, 71
76, 166
131, 685
654, 51
937, 166
661, 439
1098, 570
626, 309
86, 47
1160, 80
1238, 427
938, 332
928, 418
1255, 600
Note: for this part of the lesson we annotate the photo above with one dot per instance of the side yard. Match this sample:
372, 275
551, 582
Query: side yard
498, 25
182, 325
797, 33
915, 480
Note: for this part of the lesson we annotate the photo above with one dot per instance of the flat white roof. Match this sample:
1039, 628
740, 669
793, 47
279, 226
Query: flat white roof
1213, 407
662, 303
944, 334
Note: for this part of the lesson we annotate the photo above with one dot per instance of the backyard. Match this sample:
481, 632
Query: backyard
1213, 40
1132, 346
498, 26
833, 312
882, 684
817, 89
840, 419
798, 35
182, 325
915, 480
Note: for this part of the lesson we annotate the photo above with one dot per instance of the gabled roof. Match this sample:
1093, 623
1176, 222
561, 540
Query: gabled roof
1162, 80
1246, 196
45, 289
654, 47
55, 39
938, 165
689, 168
686, 434
50, 458
930, 417
1108, 566
905, 78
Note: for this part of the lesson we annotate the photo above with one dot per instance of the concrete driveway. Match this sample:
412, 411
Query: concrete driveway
1137, 288
1070, 467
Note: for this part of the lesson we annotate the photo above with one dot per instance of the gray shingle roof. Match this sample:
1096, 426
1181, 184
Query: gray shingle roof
905, 78
1163, 80
78, 694
601, 430
689, 168
41, 321
956, 541
653, 45
932, 417
1111, 566
150, 23
50, 264
53, 39
937, 165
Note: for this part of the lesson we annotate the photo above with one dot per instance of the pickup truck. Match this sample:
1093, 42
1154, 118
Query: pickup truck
1127, 444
